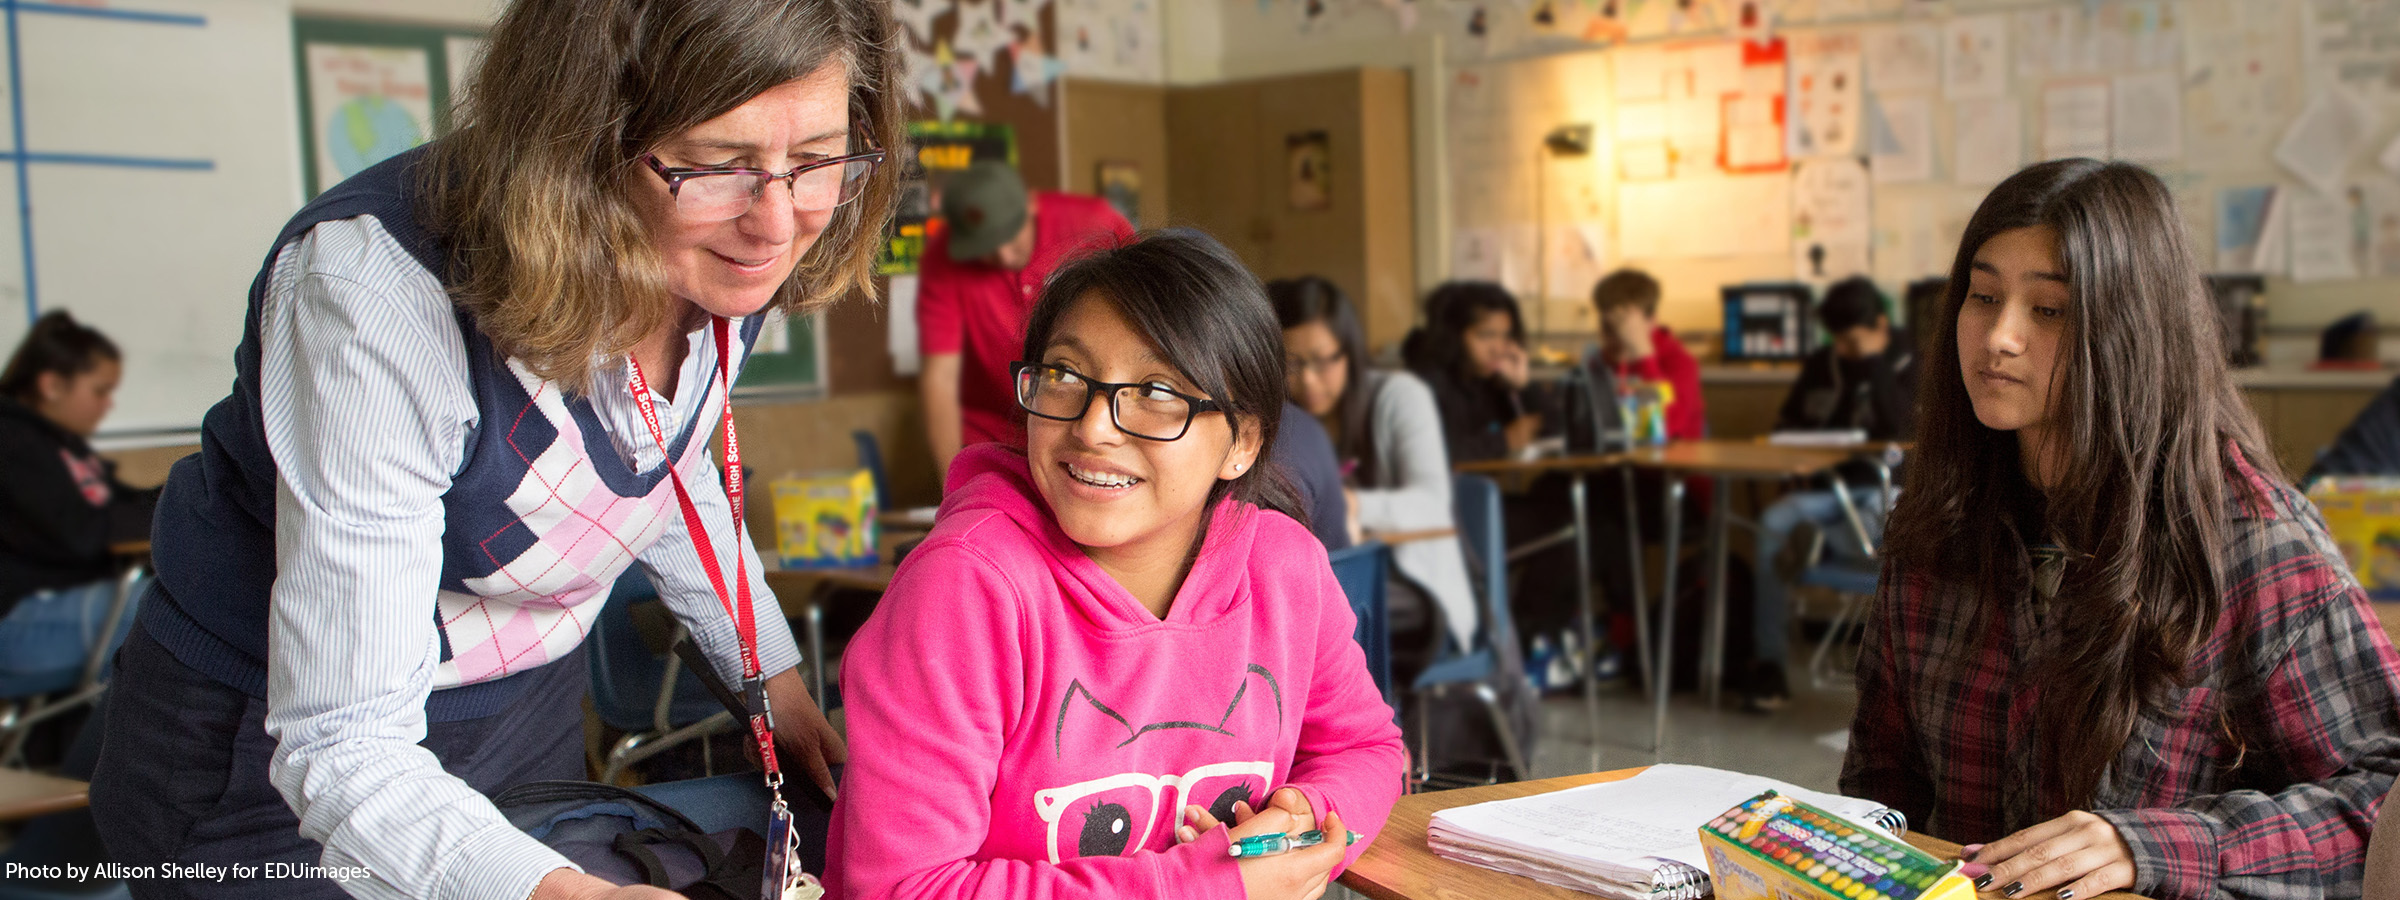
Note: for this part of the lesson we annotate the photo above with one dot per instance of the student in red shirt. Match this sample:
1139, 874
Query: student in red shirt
982, 270
1644, 353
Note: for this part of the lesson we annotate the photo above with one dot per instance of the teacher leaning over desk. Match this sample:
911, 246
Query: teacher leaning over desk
477, 382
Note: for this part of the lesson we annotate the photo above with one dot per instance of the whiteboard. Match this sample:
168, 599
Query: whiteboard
164, 157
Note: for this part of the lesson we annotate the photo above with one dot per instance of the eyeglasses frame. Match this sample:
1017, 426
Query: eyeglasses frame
1194, 406
676, 176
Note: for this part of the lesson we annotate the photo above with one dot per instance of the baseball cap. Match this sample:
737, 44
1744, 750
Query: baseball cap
984, 207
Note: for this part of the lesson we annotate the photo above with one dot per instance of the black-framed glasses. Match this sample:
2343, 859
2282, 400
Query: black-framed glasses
717, 193
1152, 412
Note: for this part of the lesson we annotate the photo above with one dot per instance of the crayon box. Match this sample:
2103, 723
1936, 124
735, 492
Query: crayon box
1775, 848
2363, 515
826, 520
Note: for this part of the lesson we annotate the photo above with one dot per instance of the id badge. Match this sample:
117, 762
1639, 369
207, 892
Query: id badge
784, 879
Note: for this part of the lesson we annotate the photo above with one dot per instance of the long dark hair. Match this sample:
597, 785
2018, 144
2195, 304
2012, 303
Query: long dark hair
2146, 411
1208, 316
1309, 298
55, 344
1450, 312
552, 255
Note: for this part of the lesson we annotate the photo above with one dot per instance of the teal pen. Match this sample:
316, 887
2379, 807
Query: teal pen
1272, 844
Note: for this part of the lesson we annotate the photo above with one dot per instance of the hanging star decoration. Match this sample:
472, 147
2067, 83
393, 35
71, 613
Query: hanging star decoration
951, 84
918, 16
916, 65
980, 36
1035, 70
1026, 14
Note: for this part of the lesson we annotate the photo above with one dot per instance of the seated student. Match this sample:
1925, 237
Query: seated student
1643, 355
1386, 425
1472, 353
1866, 379
63, 503
1133, 636
2369, 446
2113, 649
1304, 455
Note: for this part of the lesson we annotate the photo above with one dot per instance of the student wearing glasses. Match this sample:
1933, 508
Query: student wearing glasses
1118, 652
477, 382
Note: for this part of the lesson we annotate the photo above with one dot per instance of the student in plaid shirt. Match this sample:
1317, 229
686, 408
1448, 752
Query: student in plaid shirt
2111, 641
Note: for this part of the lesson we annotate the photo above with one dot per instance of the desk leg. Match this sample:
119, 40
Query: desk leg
1583, 599
1664, 677
816, 650
1719, 537
1639, 598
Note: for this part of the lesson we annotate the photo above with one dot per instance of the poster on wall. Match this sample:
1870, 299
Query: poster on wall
1307, 183
1832, 227
936, 148
1121, 185
368, 103
1754, 112
1824, 95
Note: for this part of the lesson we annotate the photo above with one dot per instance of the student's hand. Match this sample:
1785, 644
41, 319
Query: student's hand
1293, 815
1626, 336
1299, 875
804, 742
2080, 854
1513, 366
1358, 533
1522, 432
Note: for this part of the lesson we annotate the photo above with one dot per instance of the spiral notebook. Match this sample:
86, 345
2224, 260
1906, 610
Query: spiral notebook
1636, 839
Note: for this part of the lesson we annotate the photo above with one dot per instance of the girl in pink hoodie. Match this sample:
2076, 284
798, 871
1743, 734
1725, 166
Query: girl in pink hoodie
1117, 638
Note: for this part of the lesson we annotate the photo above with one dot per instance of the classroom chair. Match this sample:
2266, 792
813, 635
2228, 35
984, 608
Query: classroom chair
1475, 500
1852, 581
870, 458
1361, 568
642, 693
36, 697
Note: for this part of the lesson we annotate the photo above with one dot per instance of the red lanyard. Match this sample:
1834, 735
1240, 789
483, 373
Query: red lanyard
736, 601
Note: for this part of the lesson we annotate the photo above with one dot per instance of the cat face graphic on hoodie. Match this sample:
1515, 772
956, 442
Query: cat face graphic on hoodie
1119, 813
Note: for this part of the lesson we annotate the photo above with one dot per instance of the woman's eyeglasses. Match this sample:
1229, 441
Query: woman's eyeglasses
717, 193
1148, 411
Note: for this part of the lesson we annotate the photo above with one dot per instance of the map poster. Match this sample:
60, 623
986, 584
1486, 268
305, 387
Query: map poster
366, 104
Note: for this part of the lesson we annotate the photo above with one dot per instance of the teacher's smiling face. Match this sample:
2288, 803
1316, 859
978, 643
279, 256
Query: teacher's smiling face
730, 261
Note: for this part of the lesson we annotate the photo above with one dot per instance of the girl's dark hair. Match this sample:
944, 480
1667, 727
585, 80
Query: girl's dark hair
551, 254
1450, 311
56, 343
1209, 318
2146, 422
1309, 298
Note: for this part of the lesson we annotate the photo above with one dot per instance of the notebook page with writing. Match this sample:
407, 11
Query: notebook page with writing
1632, 839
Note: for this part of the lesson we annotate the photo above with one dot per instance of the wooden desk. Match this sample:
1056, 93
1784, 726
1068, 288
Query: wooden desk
1410, 537
24, 795
1400, 865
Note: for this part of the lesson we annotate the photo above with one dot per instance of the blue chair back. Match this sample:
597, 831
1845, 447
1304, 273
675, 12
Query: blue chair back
870, 456
626, 675
1360, 570
1475, 504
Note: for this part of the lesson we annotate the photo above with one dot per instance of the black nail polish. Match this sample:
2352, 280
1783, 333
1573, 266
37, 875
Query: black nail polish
2012, 888
2066, 894
1983, 882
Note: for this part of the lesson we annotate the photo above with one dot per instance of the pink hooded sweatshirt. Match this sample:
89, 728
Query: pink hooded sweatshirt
1022, 727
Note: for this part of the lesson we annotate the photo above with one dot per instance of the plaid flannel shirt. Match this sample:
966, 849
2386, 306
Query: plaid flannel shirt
1945, 729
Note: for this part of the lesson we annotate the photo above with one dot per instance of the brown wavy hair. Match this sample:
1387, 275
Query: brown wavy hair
2146, 412
548, 250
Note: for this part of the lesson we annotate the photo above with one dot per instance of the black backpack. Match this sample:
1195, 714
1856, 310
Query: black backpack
627, 838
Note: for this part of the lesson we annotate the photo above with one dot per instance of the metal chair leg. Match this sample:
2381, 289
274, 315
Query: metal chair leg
1508, 735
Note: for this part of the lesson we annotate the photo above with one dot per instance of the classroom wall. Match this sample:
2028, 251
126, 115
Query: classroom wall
1117, 122
2240, 65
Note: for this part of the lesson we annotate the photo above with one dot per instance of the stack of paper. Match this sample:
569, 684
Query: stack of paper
1830, 437
1637, 839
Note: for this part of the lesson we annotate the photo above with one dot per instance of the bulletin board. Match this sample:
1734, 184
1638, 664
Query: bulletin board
2274, 123
369, 90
